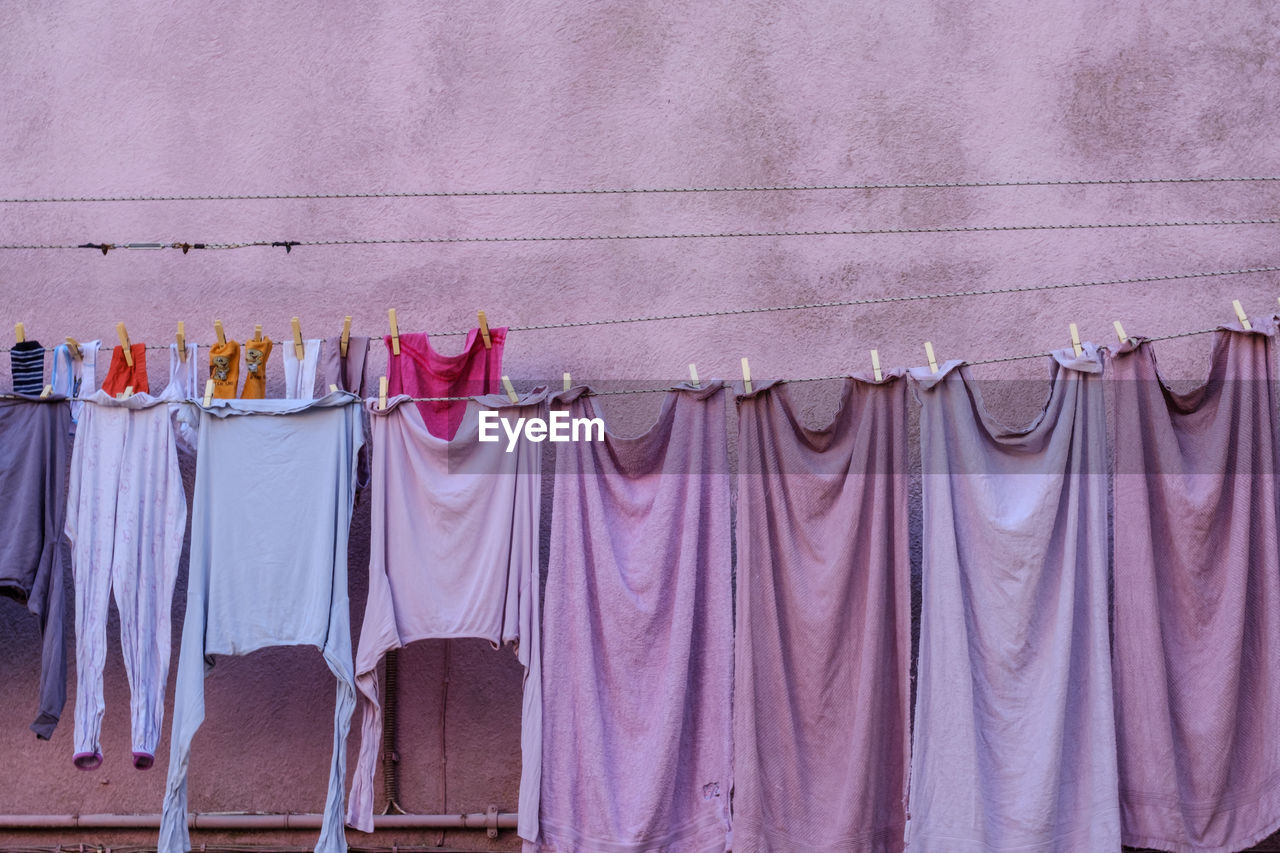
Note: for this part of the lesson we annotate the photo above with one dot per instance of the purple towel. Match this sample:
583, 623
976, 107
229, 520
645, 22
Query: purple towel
821, 738
1015, 744
638, 636
1197, 599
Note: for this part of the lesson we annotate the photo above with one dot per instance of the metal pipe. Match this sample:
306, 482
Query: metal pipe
492, 821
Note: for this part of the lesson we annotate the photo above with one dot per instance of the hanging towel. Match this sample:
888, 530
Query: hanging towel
122, 375
268, 572
1014, 738
35, 442
1197, 598
184, 374
345, 371
126, 515
454, 554
823, 653
420, 371
26, 362
75, 377
300, 376
638, 636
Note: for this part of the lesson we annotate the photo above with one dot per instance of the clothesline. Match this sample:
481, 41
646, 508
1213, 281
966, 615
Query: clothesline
843, 303
288, 245
646, 190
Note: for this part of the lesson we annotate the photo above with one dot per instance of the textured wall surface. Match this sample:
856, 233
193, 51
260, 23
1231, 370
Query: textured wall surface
149, 97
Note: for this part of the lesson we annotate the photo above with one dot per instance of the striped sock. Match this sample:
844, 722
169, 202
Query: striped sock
26, 360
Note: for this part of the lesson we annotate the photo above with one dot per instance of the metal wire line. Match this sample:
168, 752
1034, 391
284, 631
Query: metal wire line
842, 303
912, 185
568, 238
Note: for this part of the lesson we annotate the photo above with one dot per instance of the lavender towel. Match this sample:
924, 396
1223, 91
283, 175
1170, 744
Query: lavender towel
1197, 599
1015, 743
638, 635
35, 443
821, 698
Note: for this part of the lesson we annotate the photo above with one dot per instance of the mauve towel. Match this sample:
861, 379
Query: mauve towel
821, 696
1197, 599
454, 554
345, 371
1015, 745
638, 638
420, 371
35, 443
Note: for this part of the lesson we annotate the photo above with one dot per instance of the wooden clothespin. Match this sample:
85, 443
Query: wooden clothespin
257, 332
1124, 339
126, 393
20, 332
382, 392
298, 349
73, 346
395, 331
124, 344
181, 338
568, 382
693, 375
222, 335
208, 393
48, 390
746, 375
875, 365
1240, 315
511, 391
933, 362
1075, 340
345, 340
333, 389
484, 330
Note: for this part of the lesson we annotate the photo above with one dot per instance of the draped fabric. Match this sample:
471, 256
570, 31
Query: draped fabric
1197, 598
1014, 738
637, 636
821, 694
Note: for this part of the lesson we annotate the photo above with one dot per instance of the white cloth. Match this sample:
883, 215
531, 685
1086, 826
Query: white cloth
126, 515
72, 377
300, 376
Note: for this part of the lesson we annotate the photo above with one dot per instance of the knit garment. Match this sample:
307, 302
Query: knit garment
26, 362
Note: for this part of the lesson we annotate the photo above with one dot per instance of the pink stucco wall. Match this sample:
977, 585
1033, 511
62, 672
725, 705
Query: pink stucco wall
148, 97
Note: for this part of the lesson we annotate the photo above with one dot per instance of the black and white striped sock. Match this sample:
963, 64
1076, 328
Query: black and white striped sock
26, 360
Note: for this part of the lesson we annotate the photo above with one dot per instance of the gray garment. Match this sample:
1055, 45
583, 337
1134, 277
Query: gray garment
269, 572
35, 441
347, 373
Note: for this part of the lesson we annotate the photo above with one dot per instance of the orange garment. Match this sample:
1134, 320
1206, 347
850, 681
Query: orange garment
256, 353
121, 376
224, 369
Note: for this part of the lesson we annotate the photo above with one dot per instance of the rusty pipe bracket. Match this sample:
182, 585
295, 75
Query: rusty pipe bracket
491, 821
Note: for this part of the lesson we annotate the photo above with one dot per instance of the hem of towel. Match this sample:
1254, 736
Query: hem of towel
962, 842
751, 835
1269, 799
708, 834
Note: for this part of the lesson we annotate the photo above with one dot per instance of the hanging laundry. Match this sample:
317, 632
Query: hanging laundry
454, 554
420, 371
184, 374
300, 376
35, 442
1197, 597
224, 369
637, 658
26, 362
345, 371
75, 377
1014, 734
823, 644
122, 375
281, 579
126, 515
256, 353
